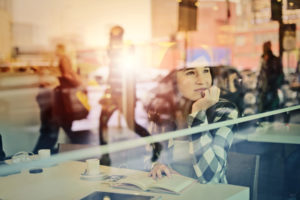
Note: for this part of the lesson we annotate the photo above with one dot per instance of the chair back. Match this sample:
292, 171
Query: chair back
242, 169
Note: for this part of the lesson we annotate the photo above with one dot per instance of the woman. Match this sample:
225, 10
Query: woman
203, 155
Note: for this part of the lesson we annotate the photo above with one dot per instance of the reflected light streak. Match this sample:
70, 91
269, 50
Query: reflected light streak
128, 61
114, 147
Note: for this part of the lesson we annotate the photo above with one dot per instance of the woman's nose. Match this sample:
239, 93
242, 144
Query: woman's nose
199, 79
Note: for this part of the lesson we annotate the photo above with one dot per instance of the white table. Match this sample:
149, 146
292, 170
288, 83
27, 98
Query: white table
63, 182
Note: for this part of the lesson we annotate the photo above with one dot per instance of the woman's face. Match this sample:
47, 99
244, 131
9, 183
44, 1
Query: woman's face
192, 82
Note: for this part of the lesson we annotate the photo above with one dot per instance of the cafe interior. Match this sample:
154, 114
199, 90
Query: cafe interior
92, 94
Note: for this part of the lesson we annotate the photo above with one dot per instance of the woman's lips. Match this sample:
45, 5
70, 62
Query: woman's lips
201, 91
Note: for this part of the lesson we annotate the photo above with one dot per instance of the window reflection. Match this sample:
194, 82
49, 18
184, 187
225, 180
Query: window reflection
124, 82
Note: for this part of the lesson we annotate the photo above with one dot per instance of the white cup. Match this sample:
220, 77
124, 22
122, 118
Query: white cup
92, 166
44, 153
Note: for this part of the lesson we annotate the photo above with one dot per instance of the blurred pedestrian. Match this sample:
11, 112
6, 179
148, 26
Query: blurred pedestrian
118, 53
269, 80
52, 109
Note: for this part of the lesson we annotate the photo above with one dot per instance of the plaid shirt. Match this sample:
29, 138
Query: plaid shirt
208, 150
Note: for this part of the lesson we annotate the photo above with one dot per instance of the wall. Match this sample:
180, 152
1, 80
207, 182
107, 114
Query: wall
39, 23
164, 18
5, 35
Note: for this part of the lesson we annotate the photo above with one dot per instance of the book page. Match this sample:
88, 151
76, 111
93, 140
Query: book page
143, 181
176, 183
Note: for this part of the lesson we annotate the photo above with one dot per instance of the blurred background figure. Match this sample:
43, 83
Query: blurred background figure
290, 91
118, 53
50, 101
230, 82
250, 92
269, 80
295, 84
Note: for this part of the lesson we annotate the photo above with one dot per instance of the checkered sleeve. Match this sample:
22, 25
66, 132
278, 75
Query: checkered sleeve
209, 149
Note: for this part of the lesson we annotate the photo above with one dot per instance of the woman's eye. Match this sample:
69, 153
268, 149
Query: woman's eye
206, 70
189, 73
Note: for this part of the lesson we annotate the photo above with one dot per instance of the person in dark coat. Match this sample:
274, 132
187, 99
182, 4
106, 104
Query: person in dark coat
270, 79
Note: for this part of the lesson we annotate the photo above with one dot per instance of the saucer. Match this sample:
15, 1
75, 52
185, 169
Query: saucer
94, 177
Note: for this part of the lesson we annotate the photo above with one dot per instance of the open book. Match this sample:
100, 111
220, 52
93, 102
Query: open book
173, 185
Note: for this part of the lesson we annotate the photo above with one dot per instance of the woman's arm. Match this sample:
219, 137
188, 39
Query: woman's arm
210, 148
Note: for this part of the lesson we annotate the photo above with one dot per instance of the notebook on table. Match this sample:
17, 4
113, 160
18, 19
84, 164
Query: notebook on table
171, 185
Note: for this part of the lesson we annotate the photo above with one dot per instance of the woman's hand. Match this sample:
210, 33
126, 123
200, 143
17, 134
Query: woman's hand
159, 169
211, 97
